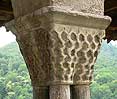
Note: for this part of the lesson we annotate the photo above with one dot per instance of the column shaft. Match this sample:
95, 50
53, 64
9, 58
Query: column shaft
40, 93
80, 92
60, 92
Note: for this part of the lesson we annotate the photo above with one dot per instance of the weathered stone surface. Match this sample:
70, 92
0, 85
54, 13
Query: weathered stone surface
58, 53
22, 7
60, 41
60, 92
40, 92
80, 92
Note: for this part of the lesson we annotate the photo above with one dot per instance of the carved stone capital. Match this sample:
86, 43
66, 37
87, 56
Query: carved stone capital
60, 41
60, 45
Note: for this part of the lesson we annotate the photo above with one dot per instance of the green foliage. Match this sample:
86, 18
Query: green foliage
15, 81
104, 85
14, 78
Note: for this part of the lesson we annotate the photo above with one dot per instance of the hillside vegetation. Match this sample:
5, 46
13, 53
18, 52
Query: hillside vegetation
15, 80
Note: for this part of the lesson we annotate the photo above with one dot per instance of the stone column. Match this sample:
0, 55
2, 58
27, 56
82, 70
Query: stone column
40, 92
59, 41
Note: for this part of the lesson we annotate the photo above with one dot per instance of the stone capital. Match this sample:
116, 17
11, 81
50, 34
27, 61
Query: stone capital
60, 41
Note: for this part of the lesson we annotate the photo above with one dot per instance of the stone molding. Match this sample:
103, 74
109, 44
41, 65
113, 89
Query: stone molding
64, 16
23, 7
